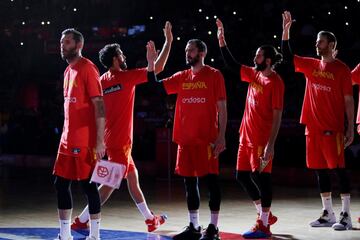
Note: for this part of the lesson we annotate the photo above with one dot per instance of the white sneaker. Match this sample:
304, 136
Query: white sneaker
325, 220
344, 222
91, 238
59, 238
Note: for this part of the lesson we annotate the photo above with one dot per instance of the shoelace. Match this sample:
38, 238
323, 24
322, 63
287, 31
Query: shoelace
343, 218
324, 215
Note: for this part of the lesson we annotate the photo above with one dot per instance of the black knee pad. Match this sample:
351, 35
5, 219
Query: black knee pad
343, 180
324, 180
265, 182
214, 192
63, 193
192, 193
248, 182
93, 197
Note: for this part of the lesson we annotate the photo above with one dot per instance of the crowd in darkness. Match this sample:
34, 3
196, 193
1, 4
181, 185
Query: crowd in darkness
31, 113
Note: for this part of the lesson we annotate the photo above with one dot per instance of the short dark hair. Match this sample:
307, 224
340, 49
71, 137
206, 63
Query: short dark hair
200, 45
271, 52
329, 36
107, 53
77, 36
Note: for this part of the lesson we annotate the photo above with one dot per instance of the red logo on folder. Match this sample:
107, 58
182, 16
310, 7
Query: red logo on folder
102, 171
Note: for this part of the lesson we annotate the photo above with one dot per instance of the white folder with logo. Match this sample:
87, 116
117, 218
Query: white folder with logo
108, 173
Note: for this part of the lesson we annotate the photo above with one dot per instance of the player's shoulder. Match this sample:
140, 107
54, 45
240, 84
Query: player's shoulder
279, 80
306, 59
86, 61
88, 64
341, 64
184, 72
211, 69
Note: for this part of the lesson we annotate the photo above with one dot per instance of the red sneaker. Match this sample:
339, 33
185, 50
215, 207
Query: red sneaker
258, 231
77, 225
154, 223
272, 218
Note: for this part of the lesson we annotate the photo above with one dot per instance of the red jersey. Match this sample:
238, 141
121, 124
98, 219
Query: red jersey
81, 83
119, 94
327, 83
196, 113
264, 95
355, 76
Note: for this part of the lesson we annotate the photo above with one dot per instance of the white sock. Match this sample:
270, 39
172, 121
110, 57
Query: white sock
95, 228
214, 219
194, 219
65, 230
85, 215
144, 210
345, 200
258, 207
264, 217
327, 204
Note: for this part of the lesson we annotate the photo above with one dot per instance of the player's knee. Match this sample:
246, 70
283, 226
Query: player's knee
265, 180
64, 198
93, 197
191, 184
324, 180
343, 180
62, 185
243, 177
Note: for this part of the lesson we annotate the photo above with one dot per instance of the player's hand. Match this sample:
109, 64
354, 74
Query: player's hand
151, 53
349, 136
168, 32
220, 32
100, 150
287, 21
220, 29
268, 152
219, 146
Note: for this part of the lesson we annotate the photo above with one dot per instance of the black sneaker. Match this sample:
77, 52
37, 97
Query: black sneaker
211, 233
325, 220
344, 222
190, 233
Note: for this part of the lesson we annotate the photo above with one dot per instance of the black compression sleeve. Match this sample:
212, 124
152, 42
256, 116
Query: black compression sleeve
287, 52
230, 61
151, 77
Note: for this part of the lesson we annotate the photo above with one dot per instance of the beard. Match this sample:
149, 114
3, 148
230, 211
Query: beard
193, 61
123, 66
261, 66
322, 51
70, 54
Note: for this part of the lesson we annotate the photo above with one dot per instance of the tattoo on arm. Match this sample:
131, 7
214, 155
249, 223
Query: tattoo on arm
99, 107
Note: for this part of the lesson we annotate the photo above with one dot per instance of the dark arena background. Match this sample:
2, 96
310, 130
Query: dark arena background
31, 111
